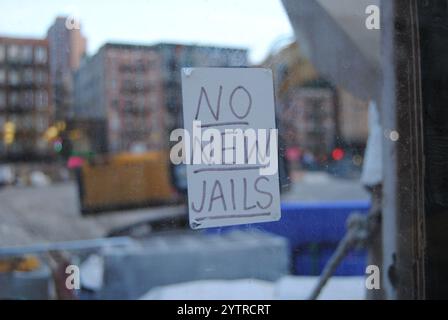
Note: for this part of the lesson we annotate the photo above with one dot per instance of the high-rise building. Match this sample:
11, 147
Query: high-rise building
352, 119
119, 90
314, 115
174, 57
133, 92
67, 47
308, 120
25, 106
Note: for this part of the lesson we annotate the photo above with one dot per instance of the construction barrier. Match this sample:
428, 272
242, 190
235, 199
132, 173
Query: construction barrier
125, 181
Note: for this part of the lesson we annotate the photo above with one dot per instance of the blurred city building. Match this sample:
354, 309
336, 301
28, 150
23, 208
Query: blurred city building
174, 57
309, 120
67, 46
132, 93
25, 106
314, 116
118, 90
353, 121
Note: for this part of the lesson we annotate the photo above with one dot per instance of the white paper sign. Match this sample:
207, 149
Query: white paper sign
231, 143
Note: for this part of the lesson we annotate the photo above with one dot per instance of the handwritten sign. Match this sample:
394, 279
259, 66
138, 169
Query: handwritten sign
231, 146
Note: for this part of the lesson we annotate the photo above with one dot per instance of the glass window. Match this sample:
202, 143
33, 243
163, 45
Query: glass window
26, 122
13, 53
27, 54
14, 98
123, 98
41, 99
41, 123
28, 99
2, 52
41, 77
113, 84
153, 101
27, 76
2, 76
2, 99
40, 54
13, 77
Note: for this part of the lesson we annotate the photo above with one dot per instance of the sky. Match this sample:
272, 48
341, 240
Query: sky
258, 25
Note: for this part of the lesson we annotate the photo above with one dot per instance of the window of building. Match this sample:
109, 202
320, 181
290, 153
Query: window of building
13, 77
41, 99
26, 54
2, 76
153, 101
26, 121
2, 52
41, 123
40, 54
28, 99
14, 98
27, 76
13, 53
113, 84
2, 99
41, 77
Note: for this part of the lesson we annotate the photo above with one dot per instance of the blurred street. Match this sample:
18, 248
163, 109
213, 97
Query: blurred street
50, 213
320, 186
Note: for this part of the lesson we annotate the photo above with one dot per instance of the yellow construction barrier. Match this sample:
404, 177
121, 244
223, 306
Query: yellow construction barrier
23, 264
125, 181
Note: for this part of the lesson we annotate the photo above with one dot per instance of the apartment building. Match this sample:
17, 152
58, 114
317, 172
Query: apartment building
134, 92
25, 90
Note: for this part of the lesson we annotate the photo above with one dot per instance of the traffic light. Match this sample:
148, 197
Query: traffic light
338, 154
9, 131
51, 133
63, 146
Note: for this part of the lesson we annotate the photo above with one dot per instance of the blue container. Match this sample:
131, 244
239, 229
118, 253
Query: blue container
305, 225
312, 261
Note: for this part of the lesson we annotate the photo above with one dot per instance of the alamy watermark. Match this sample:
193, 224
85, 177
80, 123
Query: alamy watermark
373, 277
373, 19
229, 147
72, 22
73, 280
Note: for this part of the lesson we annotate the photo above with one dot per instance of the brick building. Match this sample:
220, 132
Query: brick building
174, 57
119, 90
308, 120
134, 92
314, 115
25, 106
67, 46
